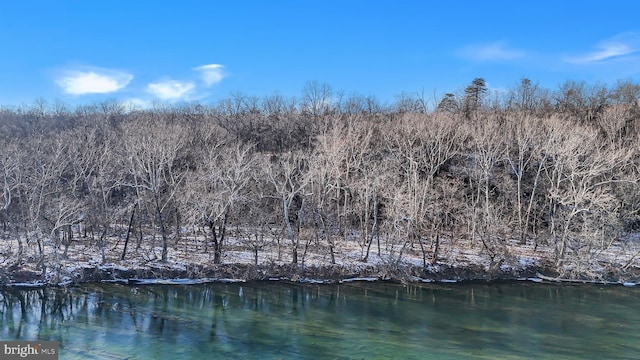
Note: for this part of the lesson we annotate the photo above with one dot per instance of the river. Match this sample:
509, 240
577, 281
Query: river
279, 320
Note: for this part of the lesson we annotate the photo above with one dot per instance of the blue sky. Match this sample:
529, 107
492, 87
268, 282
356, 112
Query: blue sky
139, 52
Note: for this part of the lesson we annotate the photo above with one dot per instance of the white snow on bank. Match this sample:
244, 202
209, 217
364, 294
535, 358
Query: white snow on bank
35, 284
180, 281
189, 254
359, 279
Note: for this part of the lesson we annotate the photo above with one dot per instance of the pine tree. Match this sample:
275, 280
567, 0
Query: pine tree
474, 95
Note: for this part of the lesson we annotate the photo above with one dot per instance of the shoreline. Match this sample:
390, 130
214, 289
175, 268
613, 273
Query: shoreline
189, 263
165, 274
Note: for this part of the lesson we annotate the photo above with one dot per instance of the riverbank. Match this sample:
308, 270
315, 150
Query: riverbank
235, 273
192, 274
189, 261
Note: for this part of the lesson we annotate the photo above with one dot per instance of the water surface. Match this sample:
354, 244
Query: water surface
349, 321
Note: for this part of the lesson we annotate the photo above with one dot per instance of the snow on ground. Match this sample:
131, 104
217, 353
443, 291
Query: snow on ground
349, 253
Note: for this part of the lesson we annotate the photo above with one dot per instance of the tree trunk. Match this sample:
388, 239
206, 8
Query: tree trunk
329, 239
163, 231
373, 231
218, 238
255, 249
103, 245
294, 243
126, 240
423, 251
68, 239
436, 250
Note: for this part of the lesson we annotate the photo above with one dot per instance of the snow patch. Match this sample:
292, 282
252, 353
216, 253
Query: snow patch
367, 279
181, 281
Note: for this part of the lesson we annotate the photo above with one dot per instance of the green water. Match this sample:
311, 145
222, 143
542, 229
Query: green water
349, 321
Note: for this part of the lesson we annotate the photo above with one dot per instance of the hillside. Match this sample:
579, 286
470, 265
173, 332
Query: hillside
505, 186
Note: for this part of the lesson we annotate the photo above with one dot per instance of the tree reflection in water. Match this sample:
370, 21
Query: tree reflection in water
283, 320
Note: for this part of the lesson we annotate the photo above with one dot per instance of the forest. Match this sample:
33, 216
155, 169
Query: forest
329, 179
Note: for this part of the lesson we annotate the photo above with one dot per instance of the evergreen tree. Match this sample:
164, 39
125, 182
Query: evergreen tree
474, 96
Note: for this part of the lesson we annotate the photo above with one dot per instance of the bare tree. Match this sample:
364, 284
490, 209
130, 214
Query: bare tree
485, 152
316, 98
525, 98
584, 103
217, 187
422, 146
11, 181
579, 176
522, 132
99, 176
152, 149
288, 174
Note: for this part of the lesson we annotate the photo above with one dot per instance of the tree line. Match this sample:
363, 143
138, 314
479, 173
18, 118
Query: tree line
556, 168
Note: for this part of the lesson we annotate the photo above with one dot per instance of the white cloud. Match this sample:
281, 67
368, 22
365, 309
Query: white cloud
211, 74
171, 89
491, 52
617, 47
93, 81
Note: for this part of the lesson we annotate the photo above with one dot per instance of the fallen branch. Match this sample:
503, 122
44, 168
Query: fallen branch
581, 281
